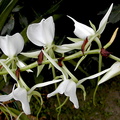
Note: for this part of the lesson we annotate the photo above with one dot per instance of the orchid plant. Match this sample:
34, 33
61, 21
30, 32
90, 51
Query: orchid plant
42, 34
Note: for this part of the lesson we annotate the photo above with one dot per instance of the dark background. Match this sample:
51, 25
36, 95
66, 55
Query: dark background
82, 11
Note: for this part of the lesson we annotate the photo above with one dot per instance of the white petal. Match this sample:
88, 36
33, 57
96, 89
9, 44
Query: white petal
92, 76
71, 92
81, 30
20, 64
114, 71
68, 47
49, 30
34, 35
20, 94
11, 45
103, 22
4, 98
41, 34
60, 89
31, 54
42, 85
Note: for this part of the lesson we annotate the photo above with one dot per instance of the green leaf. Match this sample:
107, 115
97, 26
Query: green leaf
115, 15
5, 13
17, 113
3, 5
53, 8
8, 27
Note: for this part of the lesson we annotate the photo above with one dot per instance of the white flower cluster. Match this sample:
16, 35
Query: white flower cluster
42, 34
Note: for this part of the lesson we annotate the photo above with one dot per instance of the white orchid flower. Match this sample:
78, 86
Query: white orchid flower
42, 33
68, 87
22, 95
83, 31
11, 45
114, 71
19, 94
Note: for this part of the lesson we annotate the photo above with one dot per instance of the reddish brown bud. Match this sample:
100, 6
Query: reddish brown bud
1, 66
17, 73
40, 58
104, 52
60, 61
83, 45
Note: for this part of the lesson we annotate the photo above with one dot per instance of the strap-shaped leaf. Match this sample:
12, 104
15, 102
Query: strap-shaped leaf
6, 12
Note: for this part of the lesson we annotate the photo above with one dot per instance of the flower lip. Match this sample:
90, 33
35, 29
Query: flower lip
68, 87
25, 104
11, 45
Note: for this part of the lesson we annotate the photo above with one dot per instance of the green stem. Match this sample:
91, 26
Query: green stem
58, 99
94, 94
54, 75
99, 66
114, 57
90, 41
63, 103
70, 74
70, 57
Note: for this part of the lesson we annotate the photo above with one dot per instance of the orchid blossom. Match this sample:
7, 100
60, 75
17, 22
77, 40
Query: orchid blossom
68, 87
19, 94
22, 95
11, 45
42, 33
83, 31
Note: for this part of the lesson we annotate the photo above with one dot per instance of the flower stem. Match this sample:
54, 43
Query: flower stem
99, 66
70, 57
